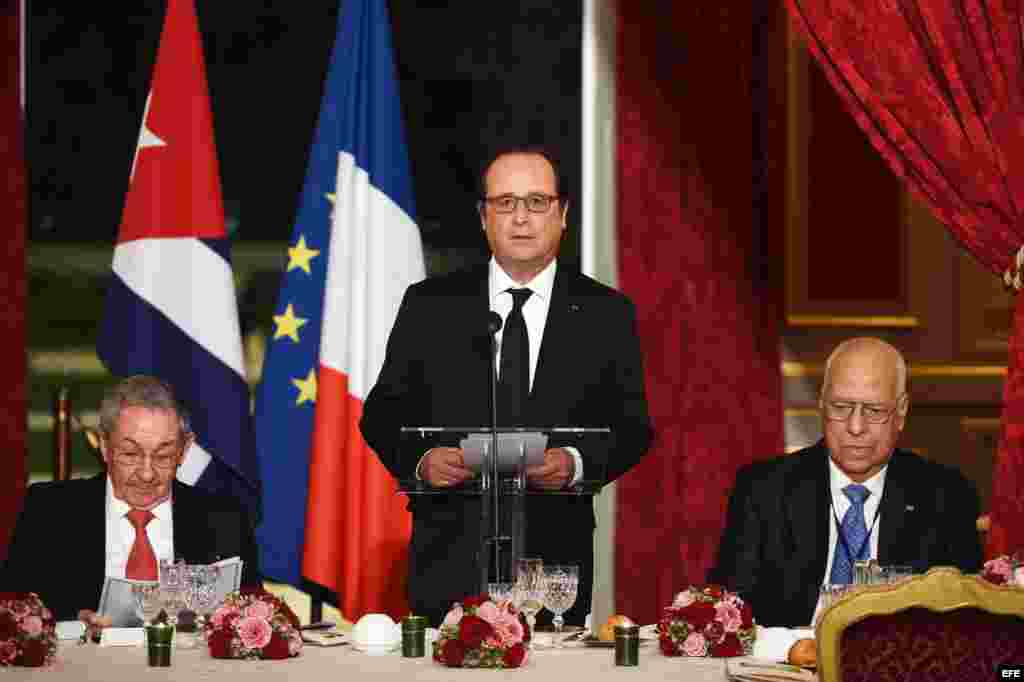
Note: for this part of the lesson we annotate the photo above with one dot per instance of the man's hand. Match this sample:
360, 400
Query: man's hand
556, 471
444, 468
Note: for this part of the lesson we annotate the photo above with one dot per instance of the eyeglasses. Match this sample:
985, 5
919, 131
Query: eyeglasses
159, 460
873, 413
534, 203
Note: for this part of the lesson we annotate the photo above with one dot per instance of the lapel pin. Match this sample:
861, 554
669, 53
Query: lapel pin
910, 507
574, 307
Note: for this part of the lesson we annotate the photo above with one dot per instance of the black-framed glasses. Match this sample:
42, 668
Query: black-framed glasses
873, 413
534, 202
164, 460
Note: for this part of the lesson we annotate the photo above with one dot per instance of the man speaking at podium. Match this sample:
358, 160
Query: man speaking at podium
568, 355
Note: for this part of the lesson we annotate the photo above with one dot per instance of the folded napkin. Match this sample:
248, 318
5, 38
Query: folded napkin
773, 644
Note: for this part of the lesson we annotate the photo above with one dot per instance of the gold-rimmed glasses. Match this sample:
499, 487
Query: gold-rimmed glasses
162, 459
873, 413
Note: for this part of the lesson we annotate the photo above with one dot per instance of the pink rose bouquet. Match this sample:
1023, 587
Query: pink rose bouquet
28, 631
253, 624
707, 621
1004, 570
480, 633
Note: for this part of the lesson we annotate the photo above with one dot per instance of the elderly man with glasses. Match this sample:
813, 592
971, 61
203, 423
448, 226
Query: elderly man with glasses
801, 520
121, 523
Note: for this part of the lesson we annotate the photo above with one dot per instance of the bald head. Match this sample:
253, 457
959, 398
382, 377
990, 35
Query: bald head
881, 358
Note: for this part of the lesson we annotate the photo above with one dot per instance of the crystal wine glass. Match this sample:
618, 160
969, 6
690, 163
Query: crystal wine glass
529, 589
148, 600
560, 586
172, 588
202, 592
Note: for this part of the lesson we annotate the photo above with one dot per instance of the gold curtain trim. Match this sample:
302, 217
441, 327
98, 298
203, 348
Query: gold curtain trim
872, 321
792, 369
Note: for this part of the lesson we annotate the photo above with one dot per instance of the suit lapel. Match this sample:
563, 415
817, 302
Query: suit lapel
88, 544
892, 516
555, 345
810, 492
187, 533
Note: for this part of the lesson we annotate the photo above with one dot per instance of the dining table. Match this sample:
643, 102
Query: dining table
91, 662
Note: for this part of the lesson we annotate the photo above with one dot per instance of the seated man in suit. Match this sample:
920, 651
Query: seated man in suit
71, 534
801, 520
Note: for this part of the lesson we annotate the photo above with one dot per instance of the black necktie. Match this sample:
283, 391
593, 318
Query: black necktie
514, 382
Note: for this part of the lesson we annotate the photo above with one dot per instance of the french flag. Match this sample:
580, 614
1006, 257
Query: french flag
331, 512
171, 307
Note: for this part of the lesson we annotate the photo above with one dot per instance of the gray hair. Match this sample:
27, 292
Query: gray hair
868, 342
140, 390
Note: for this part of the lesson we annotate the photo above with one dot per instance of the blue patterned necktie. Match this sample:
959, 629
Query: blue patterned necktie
855, 533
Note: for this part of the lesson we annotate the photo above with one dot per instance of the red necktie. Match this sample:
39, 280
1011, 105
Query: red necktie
141, 561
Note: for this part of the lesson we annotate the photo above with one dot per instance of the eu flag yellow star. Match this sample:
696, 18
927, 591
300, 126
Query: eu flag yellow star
307, 388
288, 324
300, 255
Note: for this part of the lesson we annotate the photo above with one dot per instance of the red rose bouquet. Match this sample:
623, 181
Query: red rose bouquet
1004, 570
480, 633
253, 624
28, 631
707, 621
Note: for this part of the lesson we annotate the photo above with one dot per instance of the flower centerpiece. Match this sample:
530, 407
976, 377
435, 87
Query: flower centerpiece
1004, 570
253, 623
480, 633
707, 621
28, 630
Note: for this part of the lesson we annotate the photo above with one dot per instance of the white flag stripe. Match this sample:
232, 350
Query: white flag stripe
372, 241
196, 459
191, 285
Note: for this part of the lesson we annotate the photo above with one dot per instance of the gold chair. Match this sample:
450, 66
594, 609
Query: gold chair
929, 628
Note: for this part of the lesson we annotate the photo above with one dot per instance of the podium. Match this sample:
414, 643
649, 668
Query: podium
500, 483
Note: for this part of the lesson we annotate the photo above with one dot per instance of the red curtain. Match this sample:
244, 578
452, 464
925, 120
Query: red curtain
691, 261
12, 285
938, 86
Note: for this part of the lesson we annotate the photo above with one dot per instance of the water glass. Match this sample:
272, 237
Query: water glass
201, 591
528, 593
501, 592
561, 584
894, 574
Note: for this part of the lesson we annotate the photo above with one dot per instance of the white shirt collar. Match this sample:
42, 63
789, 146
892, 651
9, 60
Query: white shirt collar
839, 480
117, 508
541, 285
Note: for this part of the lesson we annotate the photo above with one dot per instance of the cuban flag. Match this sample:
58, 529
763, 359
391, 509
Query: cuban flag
331, 513
171, 308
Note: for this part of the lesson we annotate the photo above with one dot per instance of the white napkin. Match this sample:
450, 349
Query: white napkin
773, 644
123, 637
70, 629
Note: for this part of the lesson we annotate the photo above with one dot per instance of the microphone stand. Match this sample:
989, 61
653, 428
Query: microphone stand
494, 324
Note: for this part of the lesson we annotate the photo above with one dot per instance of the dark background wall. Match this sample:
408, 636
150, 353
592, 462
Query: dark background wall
470, 73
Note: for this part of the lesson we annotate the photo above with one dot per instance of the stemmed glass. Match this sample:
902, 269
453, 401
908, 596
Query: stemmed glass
501, 592
148, 601
172, 588
201, 592
529, 589
560, 586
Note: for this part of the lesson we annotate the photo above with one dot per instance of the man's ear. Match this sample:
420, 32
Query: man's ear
565, 212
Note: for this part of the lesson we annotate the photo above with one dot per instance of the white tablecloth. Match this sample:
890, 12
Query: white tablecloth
112, 664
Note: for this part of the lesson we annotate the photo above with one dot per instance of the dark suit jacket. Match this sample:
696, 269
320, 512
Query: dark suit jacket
435, 373
775, 544
59, 545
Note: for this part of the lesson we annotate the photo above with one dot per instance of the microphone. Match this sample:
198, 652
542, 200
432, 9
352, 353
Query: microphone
493, 322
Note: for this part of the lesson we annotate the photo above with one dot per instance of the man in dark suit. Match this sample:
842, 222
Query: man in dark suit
72, 534
800, 520
568, 356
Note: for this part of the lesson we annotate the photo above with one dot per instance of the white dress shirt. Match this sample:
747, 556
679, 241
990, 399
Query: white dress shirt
121, 533
535, 315
837, 481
